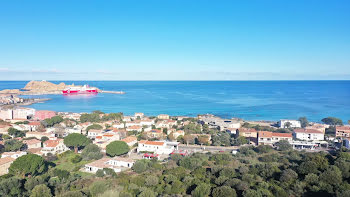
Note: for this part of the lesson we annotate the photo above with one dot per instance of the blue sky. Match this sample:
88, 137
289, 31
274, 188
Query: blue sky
174, 40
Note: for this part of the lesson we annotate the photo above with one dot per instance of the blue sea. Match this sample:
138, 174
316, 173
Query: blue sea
249, 100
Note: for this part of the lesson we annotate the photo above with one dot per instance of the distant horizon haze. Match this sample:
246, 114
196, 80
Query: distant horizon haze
175, 40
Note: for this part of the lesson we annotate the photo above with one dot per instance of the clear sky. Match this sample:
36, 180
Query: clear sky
174, 40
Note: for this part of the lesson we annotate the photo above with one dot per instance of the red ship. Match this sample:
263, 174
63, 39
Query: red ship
86, 89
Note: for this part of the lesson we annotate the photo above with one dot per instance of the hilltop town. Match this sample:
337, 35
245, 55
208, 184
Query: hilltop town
102, 144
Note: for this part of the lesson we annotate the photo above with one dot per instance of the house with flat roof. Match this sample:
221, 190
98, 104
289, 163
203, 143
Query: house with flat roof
292, 123
157, 147
270, 138
308, 134
117, 164
342, 131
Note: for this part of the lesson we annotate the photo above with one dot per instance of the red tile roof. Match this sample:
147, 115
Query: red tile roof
52, 143
129, 139
155, 143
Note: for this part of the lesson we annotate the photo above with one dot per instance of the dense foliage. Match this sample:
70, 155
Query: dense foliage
15, 132
30, 164
94, 126
91, 151
117, 148
49, 122
260, 171
76, 141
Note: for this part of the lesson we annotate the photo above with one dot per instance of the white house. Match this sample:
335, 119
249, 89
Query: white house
32, 143
13, 155
308, 134
293, 123
270, 138
119, 125
54, 147
158, 147
163, 116
93, 133
178, 133
134, 128
133, 123
116, 163
138, 115
147, 122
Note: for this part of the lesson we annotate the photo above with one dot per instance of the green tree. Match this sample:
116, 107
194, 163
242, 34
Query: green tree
332, 121
76, 141
13, 145
140, 166
283, 145
30, 164
50, 122
76, 159
98, 187
147, 193
151, 180
287, 125
94, 126
202, 190
332, 176
41, 191
288, 175
94, 117
15, 132
11, 187
117, 148
44, 139
304, 122
91, 151
224, 191
241, 140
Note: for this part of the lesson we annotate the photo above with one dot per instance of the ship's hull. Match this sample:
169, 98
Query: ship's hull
92, 91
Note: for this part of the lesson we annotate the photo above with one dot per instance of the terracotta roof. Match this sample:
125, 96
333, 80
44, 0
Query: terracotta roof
265, 134
134, 127
34, 123
52, 143
122, 159
343, 128
32, 141
282, 135
6, 160
307, 131
34, 150
155, 143
129, 139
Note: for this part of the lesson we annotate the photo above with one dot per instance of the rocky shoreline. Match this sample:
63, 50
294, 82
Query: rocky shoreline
45, 87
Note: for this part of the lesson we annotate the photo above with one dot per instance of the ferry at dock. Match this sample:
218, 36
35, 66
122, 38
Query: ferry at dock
86, 89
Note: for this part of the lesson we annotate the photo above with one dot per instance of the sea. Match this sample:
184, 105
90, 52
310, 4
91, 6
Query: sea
249, 100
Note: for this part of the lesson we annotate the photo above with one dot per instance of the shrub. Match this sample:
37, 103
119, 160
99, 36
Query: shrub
76, 159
